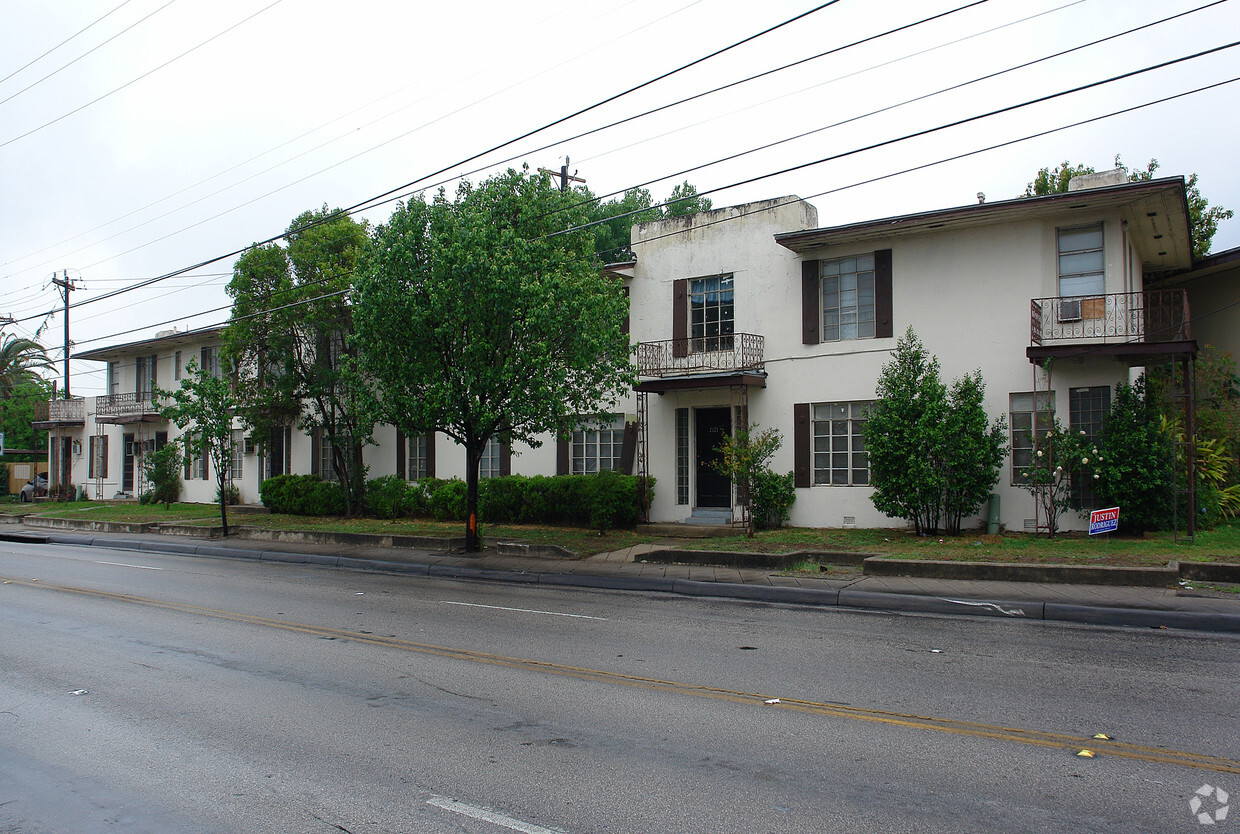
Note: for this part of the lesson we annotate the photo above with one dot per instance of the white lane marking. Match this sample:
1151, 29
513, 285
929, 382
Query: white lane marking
487, 815
124, 565
522, 610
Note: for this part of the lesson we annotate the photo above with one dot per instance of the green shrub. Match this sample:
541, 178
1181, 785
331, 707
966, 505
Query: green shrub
391, 496
1134, 464
612, 500
163, 473
503, 500
4, 479
302, 495
447, 500
147, 497
773, 495
233, 495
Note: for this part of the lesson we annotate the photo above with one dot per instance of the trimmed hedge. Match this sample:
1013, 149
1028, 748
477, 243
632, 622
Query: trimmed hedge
302, 495
601, 501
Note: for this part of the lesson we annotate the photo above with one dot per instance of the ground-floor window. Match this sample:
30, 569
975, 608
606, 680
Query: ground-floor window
598, 448
418, 461
238, 456
840, 458
1022, 417
682, 456
1087, 411
492, 463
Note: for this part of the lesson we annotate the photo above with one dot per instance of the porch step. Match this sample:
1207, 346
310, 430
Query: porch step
710, 517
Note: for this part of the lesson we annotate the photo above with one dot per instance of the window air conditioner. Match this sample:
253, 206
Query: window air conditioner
1070, 309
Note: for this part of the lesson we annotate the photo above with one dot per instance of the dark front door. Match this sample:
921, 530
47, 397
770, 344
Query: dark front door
712, 425
128, 467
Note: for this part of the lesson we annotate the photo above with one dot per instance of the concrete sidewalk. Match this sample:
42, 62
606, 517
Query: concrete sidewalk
1175, 607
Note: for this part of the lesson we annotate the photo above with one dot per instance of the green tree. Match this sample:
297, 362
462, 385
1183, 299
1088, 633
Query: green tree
684, 200
17, 414
934, 456
477, 318
203, 409
1134, 467
20, 358
163, 472
288, 340
743, 457
1203, 218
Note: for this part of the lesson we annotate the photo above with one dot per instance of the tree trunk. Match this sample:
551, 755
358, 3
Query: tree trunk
221, 480
472, 542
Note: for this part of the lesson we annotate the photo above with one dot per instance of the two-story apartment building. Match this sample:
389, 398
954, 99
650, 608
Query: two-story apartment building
755, 314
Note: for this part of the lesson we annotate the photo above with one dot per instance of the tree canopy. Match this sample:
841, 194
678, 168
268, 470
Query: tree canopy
1203, 218
288, 339
476, 317
203, 409
612, 238
20, 358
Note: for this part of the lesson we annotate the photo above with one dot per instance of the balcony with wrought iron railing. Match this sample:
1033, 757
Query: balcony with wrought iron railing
739, 354
1134, 318
128, 408
56, 413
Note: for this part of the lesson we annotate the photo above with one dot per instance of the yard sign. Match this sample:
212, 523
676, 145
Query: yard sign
1103, 521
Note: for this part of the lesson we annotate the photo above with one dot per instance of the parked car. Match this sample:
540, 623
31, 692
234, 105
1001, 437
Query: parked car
36, 487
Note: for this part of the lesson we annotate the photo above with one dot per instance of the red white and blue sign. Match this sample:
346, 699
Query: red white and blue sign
1103, 521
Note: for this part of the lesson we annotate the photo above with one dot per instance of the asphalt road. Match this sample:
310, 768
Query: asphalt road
144, 692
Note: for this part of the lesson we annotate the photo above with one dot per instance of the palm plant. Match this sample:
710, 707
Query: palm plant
19, 359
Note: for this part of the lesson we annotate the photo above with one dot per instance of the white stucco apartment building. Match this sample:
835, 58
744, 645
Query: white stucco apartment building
755, 310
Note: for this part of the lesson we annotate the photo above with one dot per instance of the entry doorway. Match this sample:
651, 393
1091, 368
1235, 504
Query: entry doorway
711, 425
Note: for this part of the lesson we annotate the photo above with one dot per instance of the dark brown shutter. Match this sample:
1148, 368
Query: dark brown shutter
628, 449
562, 454
811, 303
103, 456
430, 454
90, 464
316, 441
400, 454
883, 327
680, 317
505, 458
803, 462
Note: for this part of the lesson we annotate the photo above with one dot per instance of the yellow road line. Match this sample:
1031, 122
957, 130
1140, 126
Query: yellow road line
1037, 738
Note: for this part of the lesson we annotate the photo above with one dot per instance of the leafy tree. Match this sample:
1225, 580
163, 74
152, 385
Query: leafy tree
475, 317
1134, 469
612, 239
17, 414
1203, 219
163, 472
933, 457
19, 359
288, 339
743, 457
203, 409
684, 200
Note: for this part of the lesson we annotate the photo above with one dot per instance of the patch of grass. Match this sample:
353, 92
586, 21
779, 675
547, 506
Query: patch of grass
129, 512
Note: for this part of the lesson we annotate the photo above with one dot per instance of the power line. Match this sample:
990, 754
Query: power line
84, 54
132, 81
360, 206
62, 43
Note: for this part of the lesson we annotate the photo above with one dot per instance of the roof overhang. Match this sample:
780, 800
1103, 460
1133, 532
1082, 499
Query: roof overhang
1156, 211
1220, 263
107, 354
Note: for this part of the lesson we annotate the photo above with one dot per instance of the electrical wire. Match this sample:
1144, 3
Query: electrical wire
81, 31
133, 81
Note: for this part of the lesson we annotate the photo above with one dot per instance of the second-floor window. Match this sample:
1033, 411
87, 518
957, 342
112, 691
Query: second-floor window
1082, 265
209, 361
711, 314
848, 298
145, 379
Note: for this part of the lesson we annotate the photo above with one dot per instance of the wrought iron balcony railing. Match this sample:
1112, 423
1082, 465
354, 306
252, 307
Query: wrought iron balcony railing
121, 407
701, 355
61, 411
1157, 316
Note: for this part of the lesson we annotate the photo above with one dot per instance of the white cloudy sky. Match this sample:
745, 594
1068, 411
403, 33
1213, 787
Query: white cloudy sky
194, 128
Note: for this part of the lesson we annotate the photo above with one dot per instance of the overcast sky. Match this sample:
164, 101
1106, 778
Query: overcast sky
192, 129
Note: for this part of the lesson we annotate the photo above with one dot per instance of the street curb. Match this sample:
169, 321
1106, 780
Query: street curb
844, 598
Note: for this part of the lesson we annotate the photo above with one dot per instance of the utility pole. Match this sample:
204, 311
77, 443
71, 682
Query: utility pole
66, 287
563, 174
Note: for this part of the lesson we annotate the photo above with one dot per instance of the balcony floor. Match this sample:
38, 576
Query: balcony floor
1130, 353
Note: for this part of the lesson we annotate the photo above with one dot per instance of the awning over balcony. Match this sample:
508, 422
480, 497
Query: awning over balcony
701, 362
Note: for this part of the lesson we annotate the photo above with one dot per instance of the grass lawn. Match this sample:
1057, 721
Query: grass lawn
128, 511
1219, 545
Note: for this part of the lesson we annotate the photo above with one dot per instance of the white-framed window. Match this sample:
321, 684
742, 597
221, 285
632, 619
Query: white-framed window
1022, 417
145, 379
238, 455
840, 458
176, 365
114, 378
417, 464
712, 314
598, 448
848, 298
1082, 264
491, 465
209, 361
